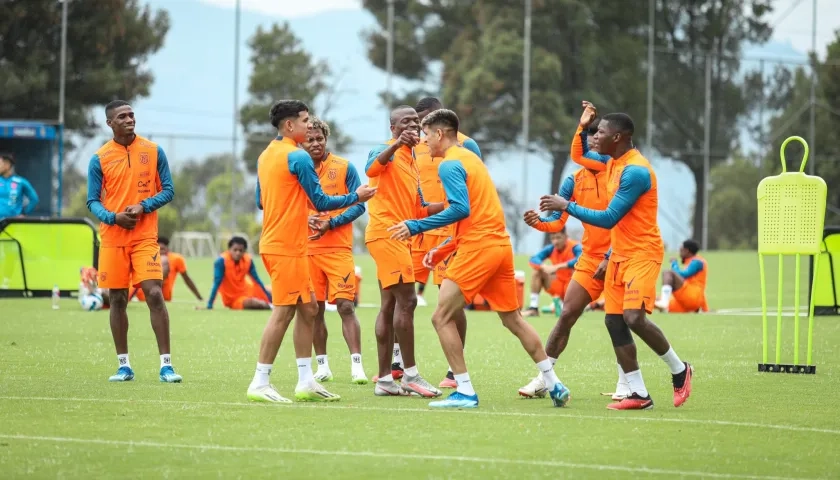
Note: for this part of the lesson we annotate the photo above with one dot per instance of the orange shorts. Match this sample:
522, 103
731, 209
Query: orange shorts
333, 276
488, 272
585, 268
420, 246
688, 299
393, 261
290, 281
631, 285
558, 287
124, 267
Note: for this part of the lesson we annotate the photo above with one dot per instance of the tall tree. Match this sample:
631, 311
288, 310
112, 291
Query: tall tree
691, 31
282, 68
108, 42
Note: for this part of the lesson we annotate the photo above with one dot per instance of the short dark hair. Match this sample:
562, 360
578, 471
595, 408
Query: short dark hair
428, 103
8, 156
562, 230
239, 240
692, 246
621, 122
163, 241
442, 118
393, 118
285, 109
592, 129
113, 105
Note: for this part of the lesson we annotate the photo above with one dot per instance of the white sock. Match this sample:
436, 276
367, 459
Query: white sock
122, 359
535, 300
323, 363
411, 371
387, 378
165, 360
553, 361
674, 363
622, 386
464, 384
398, 355
305, 377
666, 293
548, 375
261, 375
637, 384
356, 362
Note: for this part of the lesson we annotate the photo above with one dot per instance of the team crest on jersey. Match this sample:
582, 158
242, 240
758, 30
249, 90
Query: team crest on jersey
144, 158
103, 276
332, 174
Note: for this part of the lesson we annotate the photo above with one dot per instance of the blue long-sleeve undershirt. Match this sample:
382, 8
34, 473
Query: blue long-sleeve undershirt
472, 146
693, 268
546, 252
453, 176
167, 190
584, 141
635, 181
567, 189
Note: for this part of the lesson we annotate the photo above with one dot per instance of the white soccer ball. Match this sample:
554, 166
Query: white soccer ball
91, 303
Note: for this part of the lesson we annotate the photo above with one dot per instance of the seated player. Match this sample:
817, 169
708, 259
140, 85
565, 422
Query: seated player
235, 278
684, 289
89, 285
562, 255
173, 264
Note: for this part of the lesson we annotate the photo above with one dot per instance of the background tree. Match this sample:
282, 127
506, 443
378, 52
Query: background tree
733, 208
282, 68
108, 42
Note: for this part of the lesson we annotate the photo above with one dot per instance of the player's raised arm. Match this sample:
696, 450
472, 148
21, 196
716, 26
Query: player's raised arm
218, 276
348, 216
379, 157
94, 195
300, 164
454, 180
635, 181
580, 152
167, 190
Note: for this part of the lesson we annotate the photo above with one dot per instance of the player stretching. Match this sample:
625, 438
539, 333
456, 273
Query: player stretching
392, 168
235, 277
286, 179
483, 262
128, 180
588, 189
687, 284
331, 263
633, 267
562, 255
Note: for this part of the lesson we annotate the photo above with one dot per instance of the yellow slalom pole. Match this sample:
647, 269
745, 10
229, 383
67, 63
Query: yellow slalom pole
796, 313
811, 311
779, 311
764, 335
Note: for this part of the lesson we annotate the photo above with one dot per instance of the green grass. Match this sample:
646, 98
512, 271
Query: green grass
60, 418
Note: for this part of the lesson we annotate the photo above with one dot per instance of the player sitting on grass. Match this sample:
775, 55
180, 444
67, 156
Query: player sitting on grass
235, 278
684, 288
562, 254
173, 264
89, 287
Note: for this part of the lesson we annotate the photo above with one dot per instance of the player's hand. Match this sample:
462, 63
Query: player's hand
588, 115
553, 202
601, 272
201, 307
312, 221
365, 193
408, 138
320, 227
134, 209
126, 220
531, 217
400, 232
427, 260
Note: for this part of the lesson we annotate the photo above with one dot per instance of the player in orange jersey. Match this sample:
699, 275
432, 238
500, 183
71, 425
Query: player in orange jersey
331, 262
235, 277
687, 283
286, 183
128, 180
392, 168
482, 263
562, 254
172, 264
635, 260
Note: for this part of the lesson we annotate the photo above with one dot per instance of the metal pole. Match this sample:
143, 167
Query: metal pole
526, 101
62, 90
234, 150
650, 72
812, 134
389, 59
707, 139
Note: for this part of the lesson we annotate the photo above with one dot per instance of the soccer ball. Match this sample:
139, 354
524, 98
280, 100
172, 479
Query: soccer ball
91, 303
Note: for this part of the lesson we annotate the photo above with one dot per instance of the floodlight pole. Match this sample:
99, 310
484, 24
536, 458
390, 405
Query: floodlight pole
650, 72
812, 133
526, 101
62, 88
389, 59
235, 136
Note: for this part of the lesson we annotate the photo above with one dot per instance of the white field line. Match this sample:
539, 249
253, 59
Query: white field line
555, 413
386, 456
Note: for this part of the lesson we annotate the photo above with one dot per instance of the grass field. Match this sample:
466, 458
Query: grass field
60, 418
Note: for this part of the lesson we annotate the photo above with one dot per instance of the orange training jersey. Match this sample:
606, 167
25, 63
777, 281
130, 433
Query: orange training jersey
695, 275
570, 253
338, 177
234, 284
286, 181
398, 197
120, 176
474, 205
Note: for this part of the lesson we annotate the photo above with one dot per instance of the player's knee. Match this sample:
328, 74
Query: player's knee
345, 308
308, 311
118, 299
439, 319
154, 296
618, 329
408, 303
568, 316
634, 318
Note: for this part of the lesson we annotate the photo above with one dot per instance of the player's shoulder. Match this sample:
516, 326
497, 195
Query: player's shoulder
145, 143
338, 161
18, 179
176, 256
379, 148
462, 137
